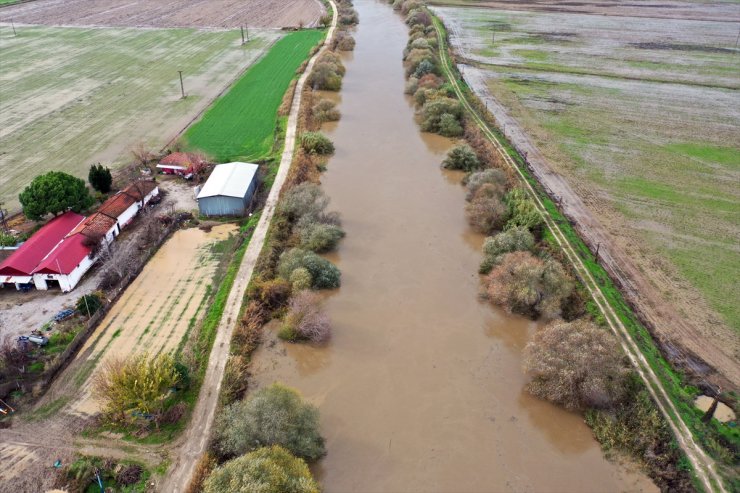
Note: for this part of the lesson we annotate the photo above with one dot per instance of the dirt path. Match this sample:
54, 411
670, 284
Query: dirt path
703, 465
196, 437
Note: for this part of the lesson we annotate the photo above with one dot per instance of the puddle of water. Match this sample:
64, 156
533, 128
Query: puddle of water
421, 387
723, 412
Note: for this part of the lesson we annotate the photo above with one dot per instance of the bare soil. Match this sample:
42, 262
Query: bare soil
164, 13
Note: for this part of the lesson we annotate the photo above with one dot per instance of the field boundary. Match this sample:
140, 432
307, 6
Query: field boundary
199, 430
704, 467
223, 91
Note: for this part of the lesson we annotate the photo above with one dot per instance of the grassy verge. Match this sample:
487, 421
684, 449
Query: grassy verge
241, 124
721, 441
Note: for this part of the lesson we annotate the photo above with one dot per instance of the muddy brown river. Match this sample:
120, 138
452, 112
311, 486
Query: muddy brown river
421, 387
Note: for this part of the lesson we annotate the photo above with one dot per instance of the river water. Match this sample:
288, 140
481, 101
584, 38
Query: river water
421, 387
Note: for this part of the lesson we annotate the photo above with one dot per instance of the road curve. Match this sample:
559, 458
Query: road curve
703, 465
197, 435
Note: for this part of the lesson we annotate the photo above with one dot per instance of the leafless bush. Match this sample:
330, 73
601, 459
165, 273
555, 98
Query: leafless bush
142, 154
325, 111
524, 284
203, 468
576, 365
305, 320
13, 359
129, 474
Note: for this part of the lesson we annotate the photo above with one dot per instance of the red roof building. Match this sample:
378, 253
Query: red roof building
66, 257
97, 225
24, 260
117, 205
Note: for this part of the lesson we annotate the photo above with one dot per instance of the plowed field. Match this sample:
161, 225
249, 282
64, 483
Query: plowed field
165, 13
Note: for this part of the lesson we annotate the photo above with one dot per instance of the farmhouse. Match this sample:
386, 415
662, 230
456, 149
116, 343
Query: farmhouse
229, 190
61, 252
124, 205
18, 269
180, 163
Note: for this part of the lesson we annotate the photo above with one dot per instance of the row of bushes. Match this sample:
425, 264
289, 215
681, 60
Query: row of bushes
267, 438
266, 441
572, 361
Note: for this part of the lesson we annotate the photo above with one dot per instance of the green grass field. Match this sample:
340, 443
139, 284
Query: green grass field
70, 97
241, 124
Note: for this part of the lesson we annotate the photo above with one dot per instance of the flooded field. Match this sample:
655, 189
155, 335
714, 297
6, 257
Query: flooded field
632, 122
421, 387
157, 309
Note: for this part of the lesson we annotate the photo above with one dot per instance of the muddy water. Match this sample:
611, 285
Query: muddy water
421, 388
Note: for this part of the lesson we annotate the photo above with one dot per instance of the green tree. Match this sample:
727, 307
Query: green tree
100, 178
461, 157
54, 192
274, 415
139, 382
88, 304
266, 470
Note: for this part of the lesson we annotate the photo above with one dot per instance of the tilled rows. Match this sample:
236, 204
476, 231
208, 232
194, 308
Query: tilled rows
166, 13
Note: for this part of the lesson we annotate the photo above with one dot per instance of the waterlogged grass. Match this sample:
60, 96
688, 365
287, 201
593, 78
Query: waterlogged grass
718, 439
241, 124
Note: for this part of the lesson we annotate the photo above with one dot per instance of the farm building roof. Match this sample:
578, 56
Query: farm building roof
184, 159
94, 226
230, 180
65, 257
117, 205
24, 260
140, 189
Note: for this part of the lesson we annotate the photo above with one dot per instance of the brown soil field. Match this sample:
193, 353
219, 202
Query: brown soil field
165, 14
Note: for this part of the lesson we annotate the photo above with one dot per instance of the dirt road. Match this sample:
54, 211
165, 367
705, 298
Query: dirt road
195, 439
703, 465
163, 13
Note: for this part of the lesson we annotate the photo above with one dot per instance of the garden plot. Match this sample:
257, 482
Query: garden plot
157, 310
640, 117
70, 97
164, 13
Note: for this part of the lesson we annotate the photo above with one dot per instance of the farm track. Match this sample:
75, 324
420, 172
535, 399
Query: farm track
195, 439
703, 465
166, 13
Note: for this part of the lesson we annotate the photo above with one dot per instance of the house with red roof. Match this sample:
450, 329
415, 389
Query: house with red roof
128, 202
18, 269
180, 163
61, 252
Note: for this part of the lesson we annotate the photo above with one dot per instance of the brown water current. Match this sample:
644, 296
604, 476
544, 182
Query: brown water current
421, 388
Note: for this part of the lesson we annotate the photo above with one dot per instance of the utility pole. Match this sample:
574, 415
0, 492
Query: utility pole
182, 86
242, 28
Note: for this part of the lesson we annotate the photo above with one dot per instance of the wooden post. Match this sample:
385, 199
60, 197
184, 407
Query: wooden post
598, 247
13, 26
182, 86
242, 28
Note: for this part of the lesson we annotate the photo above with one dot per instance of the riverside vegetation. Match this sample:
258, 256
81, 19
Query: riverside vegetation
272, 457
573, 361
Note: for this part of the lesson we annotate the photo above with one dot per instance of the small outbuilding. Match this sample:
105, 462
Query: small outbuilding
229, 190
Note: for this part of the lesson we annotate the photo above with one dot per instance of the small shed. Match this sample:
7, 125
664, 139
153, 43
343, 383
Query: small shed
229, 190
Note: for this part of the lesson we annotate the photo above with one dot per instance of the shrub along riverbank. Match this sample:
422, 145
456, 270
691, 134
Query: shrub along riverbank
273, 457
525, 272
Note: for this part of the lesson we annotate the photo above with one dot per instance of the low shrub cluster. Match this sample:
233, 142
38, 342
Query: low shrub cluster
274, 415
347, 15
343, 41
316, 143
305, 319
323, 274
325, 111
517, 239
327, 73
266, 470
80, 475
461, 158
